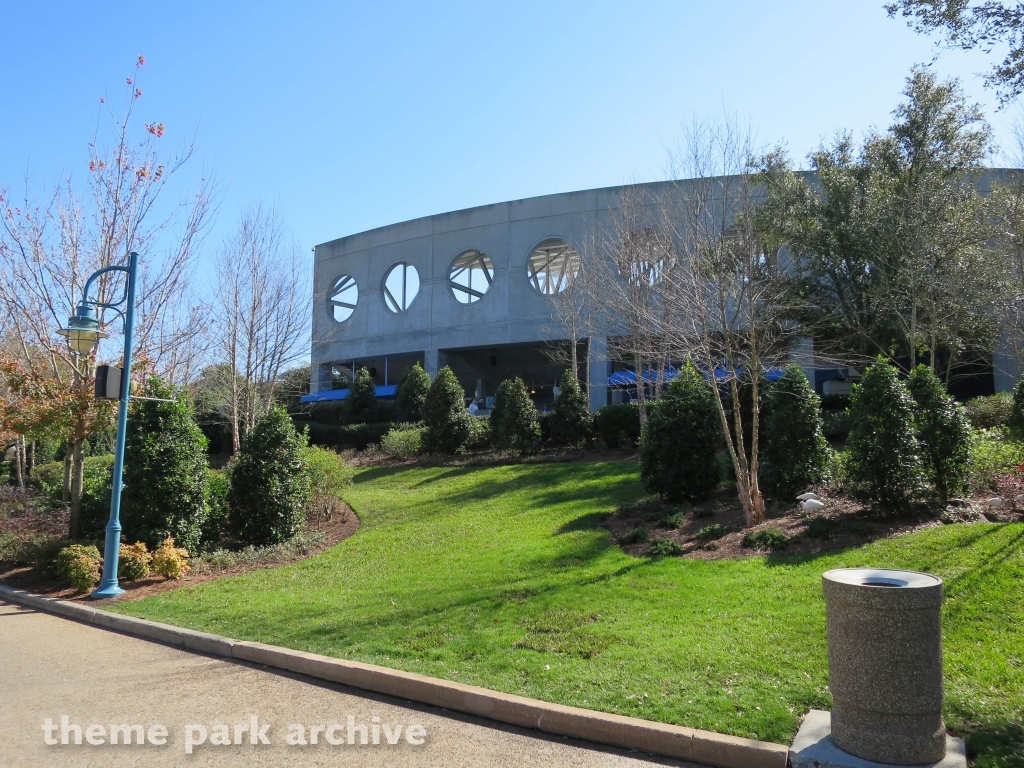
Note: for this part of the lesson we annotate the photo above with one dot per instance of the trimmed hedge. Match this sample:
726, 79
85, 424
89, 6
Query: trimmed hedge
613, 421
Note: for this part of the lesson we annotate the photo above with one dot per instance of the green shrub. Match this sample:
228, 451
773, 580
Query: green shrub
269, 486
992, 454
943, 433
836, 425
412, 393
618, 424
43, 555
79, 565
96, 477
675, 520
514, 424
328, 473
216, 522
445, 415
402, 443
479, 434
343, 437
570, 423
165, 472
636, 536
990, 411
821, 527
1015, 421
664, 547
362, 399
885, 463
712, 532
133, 561
795, 452
677, 454
766, 538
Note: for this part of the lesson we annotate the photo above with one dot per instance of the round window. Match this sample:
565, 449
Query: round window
400, 286
644, 257
343, 297
470, 276
552, 266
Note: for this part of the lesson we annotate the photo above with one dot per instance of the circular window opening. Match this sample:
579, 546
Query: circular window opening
401, 284
343, 297
470, 276
644, 257
552, 266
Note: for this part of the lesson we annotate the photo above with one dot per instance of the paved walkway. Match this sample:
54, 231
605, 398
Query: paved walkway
52, 667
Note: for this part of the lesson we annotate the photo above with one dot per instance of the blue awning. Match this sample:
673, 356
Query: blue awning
340, 394
628, 378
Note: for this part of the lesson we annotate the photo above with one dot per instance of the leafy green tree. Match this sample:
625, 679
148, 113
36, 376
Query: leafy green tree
445, 415
164, 471
987, 24
884, 461
269, 487
362, 399
412, 393
943, 432
680, 441
795, 452
571, 422
1015, 423
514, 423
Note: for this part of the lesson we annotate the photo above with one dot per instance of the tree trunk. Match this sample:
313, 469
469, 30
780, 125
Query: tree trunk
19, 461
77, 481
30, 461
65, 495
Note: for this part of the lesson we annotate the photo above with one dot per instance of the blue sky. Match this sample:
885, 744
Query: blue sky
350, 116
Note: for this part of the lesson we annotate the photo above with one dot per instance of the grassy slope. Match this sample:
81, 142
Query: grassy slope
487, 576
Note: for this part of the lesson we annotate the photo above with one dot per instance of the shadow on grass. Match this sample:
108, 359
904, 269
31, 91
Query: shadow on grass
588, 522
996, 744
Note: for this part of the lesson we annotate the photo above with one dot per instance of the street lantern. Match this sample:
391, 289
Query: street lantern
83, 331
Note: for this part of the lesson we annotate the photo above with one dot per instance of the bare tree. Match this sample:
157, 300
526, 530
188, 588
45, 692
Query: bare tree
50, 246
728, 291
262, 303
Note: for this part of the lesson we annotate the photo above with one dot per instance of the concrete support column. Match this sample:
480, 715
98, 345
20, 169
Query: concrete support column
321, 378
598, 362
432, 362
1005, 363
802, 353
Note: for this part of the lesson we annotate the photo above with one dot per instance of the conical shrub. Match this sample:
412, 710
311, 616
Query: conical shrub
571, 422
412, 393
884, 462
943, 432
680, 441
794, 452
445, 415
514, 423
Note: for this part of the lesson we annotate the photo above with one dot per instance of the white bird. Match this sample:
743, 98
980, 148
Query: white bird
809, 496
812, 505
995, 502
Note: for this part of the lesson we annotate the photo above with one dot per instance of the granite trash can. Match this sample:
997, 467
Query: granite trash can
885, 664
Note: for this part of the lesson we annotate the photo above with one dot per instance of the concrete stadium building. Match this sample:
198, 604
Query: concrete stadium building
474, 290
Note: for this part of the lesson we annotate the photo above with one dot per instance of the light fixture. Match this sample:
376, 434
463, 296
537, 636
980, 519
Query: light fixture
83, 331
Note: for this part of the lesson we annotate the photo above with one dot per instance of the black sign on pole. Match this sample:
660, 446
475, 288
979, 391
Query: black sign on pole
108, 382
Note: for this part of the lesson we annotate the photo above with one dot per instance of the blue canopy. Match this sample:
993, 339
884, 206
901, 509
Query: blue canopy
628, 378
340, 394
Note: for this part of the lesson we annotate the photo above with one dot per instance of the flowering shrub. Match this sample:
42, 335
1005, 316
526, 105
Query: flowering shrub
133, 561
80, 565
170, 561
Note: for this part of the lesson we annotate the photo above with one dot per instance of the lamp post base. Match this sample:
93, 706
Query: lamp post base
105, 593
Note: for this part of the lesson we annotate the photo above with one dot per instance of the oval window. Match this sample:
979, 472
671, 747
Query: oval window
343, 297
470, 276
400, 286
552, 266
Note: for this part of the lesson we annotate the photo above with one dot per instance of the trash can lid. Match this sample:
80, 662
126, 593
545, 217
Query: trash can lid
882, 577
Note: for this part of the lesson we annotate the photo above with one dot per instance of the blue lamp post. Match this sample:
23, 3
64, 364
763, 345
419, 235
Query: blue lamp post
83, 333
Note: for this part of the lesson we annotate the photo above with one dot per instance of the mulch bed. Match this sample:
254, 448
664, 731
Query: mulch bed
344, 523
842, 524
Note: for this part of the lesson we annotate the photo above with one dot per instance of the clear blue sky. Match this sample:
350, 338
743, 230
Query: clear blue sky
350, 116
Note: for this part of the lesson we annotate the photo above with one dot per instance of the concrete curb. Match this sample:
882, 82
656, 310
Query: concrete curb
713, 749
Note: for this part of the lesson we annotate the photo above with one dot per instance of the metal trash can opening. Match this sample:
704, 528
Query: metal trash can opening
885, 664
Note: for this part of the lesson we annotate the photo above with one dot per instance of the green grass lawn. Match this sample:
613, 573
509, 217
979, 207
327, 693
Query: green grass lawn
502, 577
